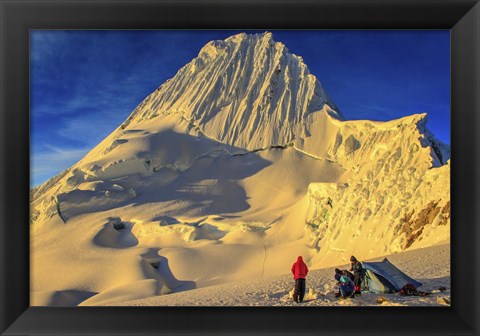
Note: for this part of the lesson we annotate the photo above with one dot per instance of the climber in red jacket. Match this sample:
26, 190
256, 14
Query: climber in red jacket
299, 271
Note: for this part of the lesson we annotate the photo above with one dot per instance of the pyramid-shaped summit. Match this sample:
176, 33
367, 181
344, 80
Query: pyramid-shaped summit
247, 90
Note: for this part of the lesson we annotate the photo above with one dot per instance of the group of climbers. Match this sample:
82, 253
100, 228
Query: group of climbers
349, 282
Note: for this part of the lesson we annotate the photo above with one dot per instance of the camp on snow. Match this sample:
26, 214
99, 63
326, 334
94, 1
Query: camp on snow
384, 277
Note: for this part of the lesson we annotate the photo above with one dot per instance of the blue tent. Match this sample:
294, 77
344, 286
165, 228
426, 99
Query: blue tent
384, 277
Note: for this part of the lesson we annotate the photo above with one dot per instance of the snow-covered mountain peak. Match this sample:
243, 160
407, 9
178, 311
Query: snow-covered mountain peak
247, 91
261, 38
240, 43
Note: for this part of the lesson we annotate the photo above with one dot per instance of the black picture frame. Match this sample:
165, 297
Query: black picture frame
17, 17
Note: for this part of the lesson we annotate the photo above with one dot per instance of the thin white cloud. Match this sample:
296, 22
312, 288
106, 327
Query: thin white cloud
89, 129
52, 161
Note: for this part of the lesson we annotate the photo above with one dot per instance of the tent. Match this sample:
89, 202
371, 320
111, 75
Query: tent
384, 277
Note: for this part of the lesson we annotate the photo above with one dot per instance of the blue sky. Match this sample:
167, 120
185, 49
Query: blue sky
85, 83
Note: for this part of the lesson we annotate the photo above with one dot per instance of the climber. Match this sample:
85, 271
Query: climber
346, 286
299, 271
357, 269
346, 273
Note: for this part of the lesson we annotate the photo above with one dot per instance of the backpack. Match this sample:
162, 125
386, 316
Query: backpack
408, 290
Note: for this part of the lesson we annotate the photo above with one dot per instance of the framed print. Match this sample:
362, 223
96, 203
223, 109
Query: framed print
251, 168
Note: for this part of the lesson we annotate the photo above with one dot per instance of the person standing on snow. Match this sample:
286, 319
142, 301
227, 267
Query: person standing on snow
357, 269
299, 271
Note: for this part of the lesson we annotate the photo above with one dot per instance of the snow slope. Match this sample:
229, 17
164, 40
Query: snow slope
431, 266
217, 183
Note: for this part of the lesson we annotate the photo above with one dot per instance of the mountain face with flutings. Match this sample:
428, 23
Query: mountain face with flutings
242, 153
247, 91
